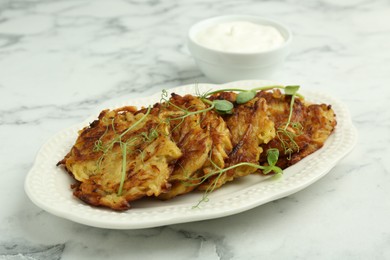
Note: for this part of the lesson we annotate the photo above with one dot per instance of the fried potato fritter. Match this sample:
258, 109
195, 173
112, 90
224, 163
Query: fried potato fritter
313, 125
182, 144
96, 160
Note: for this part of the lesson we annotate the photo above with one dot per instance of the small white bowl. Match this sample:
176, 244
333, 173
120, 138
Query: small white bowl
221, 67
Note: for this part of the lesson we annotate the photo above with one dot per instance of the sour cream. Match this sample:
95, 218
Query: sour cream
240, 37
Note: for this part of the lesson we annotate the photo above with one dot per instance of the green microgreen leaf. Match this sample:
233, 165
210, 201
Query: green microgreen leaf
223, 106
245, 96
291, 90
272, 156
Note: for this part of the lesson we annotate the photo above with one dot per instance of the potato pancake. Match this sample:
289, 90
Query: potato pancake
311, 125
96, 160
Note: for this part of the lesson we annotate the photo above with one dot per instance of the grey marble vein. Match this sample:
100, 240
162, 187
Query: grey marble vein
24, 250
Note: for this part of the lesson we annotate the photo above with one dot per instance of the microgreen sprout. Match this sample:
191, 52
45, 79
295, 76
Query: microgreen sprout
291, 91
223, 106
272, 159
285, 135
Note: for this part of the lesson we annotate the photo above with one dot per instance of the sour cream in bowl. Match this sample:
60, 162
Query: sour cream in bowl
237, 47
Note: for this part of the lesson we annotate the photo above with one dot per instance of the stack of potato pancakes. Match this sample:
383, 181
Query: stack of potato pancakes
180, 145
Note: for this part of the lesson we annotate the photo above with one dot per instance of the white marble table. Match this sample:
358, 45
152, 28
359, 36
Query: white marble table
61, 60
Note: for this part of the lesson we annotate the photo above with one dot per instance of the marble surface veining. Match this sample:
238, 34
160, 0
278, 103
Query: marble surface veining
62, 60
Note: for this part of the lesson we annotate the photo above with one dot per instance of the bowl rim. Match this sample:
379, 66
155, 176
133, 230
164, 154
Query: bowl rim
282, 28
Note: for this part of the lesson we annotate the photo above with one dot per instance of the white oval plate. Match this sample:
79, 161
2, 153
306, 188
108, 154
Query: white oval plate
48, 186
